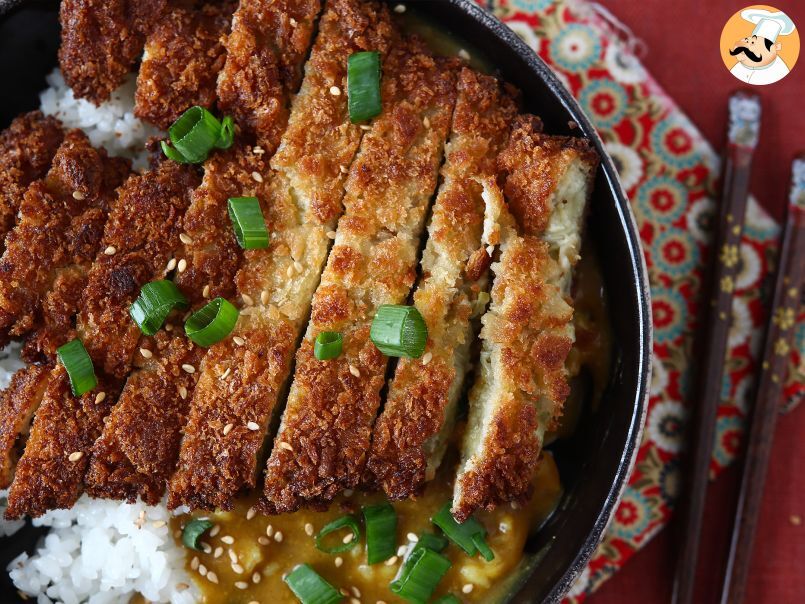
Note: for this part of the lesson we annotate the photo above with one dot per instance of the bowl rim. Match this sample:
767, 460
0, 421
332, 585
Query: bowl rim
639, 270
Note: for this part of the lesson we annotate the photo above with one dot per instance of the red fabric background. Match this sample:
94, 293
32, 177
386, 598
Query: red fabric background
682, 38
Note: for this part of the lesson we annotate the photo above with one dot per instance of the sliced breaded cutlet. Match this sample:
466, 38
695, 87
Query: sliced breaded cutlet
528, 330
265, 52
27, 147
242, 377
410, 436
324, 436
139, 446
142, 233
43, 270
183, 55
101, 40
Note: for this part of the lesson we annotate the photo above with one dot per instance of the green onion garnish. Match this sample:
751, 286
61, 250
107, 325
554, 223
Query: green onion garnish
195, 134
418, 578
248, 222
399, 331
79, 367
154, 303
349, 522
192, 532
447, 599
211, 323
437, 543
469, 536
381, 532
310, 587
328, 345
363, 85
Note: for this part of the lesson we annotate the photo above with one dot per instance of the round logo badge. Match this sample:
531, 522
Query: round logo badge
760, 45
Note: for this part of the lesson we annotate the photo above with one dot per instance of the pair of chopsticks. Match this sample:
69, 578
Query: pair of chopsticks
744, 125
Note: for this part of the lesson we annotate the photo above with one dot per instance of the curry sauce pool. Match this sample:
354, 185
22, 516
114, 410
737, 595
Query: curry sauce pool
245, 555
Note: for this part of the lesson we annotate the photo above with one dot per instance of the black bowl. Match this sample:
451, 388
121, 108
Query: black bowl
595, 462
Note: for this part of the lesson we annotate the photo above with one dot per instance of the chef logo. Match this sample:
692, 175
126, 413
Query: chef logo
760, 45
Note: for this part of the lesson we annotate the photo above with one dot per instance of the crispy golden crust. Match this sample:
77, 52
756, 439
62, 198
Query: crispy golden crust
422, 397
101, 40
55, 241
324, 438
136, 452
18, 403
183, 55
265, 52
50, 474
27, 147
143, 229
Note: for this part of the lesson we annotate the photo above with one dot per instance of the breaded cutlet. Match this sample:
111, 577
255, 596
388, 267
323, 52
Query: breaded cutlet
302, 200
183, 55
101, 40
325, 433
528, 330
410, 436
27, 147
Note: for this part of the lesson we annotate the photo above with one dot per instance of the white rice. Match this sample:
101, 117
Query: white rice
99, 551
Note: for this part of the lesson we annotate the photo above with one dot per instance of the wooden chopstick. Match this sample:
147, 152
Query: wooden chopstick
788, 291
744, 124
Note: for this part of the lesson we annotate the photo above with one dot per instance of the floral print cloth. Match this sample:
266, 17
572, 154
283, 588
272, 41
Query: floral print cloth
668, 171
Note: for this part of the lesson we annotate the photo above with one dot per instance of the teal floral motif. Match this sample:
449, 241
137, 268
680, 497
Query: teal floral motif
576, 48
669, 309
532, 5
662, 198
726, 386
675, 253
605, 101
728, 434
669, 482
632, 516
674, 144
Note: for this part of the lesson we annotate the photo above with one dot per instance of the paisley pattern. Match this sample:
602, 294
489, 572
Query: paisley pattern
669, 172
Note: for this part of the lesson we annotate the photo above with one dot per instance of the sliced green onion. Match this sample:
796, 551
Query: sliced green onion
192, 532
363, 85
349, 522
195, 134
469, 535
418, 579
381, 532
211, 323
328, 345
248, 222
310, 587
154, 304
447, 599
399, 331
437, 543
79, 367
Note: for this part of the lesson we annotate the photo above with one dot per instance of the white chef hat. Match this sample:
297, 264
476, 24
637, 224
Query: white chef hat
769, 25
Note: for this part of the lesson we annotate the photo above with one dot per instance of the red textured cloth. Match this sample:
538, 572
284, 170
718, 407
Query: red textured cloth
689, 68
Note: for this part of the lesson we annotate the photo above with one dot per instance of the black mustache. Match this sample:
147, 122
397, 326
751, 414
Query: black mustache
752, 56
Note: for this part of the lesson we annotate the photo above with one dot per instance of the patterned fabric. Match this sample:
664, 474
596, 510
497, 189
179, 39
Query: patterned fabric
668, 171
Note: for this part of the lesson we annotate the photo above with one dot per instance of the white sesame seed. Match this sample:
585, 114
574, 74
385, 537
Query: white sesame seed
264, 297
278, 536
464, 54
189, 368
290, 271
168, 326
400, 8
258, 150
194, 563
426, 122
391, 561
330, 234
202, 570
354, 601
412, 537
237, 568
490, 249
182, 265
238, 340
100, 397
228, 539
401, 550
79, 196
354, 371
251, 512
426, 358
171, 264
215, 530
228, 428
218, 552
75, 456
298, 267
185, 238
263, 541
110, 251
232, 556
286, 446
183, 392
257, 176
206, 548
226, 373
364, 127
256, 577
206, 291
338, 561
212, 577
158, 523
292, 21
356, 591
335, 91
252, 426
308, 529
347, 538
241, 584
270, 530
147, 354
343, 169
467, 588
247, 299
